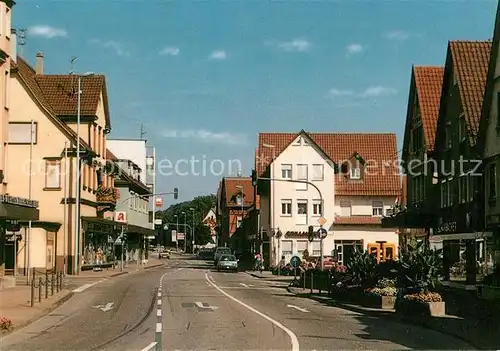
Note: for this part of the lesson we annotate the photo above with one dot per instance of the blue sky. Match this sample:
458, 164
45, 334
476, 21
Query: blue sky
205, 77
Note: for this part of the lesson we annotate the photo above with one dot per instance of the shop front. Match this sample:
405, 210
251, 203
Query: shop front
12, 211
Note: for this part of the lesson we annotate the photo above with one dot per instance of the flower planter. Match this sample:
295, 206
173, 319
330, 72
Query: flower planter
378, 301
419, 308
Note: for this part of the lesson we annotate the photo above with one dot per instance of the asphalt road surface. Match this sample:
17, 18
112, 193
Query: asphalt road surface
184, 305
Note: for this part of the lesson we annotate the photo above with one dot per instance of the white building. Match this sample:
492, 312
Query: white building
143, 156
368, 184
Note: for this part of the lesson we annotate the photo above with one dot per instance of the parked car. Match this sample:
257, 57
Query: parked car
221, 251
206, 254
227, 263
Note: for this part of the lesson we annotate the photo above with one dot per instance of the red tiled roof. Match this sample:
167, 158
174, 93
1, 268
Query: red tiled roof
358, 220
27, 76
231, 184
379, 150
470, 61
429, 84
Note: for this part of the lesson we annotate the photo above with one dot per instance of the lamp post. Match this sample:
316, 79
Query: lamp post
240, 187
192, 231
185, 234
176, 231
78, 172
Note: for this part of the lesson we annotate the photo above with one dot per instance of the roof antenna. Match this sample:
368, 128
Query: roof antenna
21, 39
143, 132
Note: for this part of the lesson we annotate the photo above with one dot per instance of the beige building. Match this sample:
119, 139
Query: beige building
12, 207
42, 162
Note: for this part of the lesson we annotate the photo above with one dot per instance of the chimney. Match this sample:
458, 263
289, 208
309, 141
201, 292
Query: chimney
13, 41
39, 63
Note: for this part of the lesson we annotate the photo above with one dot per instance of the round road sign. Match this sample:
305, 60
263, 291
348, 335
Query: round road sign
295, 261
322, 233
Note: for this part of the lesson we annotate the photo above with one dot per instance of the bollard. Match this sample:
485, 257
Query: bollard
52, 283
304, 282
57, 282
61, 282
32, 299
312, 280
39, 289
46, 284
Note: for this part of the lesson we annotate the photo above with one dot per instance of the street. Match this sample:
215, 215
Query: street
184, 305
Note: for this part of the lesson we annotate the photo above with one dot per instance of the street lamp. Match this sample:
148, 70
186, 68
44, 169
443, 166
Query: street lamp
185, 234
176, 231
192, 231
78, 170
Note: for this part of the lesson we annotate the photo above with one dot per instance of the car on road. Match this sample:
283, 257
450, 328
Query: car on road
227, 263
165, 254
206, 254
221, 251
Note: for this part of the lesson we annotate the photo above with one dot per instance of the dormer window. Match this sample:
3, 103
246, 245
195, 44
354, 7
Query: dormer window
355, 173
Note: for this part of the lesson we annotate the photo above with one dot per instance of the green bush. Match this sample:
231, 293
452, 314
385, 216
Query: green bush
364, 269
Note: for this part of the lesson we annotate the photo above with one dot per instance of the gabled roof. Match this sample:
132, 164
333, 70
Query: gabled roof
490, 83
59, 92
377, 149
27, 77
469, 61
230, 188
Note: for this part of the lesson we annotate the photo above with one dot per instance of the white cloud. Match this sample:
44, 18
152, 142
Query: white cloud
397, 35
48, 32
295, 45
378, 90
338, 92
207, 136
354, 49
169, 51
372, 91
218, 55
112, 45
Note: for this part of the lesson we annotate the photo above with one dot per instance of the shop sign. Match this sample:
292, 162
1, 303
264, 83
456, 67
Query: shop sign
6, 199
294, 233
447, 227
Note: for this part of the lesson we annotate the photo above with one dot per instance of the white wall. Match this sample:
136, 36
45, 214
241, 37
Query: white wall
133, 150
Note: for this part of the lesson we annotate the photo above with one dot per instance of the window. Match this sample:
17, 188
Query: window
464, 188
52, 174
355, 173
22, 133
239, 220
492, 181
316, 248
302, 207
462, 128
377, 208
317, 207
286, 171
301, 247
345, 208
317, 172
6, 90
417, 138
345, 249
286, 247
301, 175
286, 207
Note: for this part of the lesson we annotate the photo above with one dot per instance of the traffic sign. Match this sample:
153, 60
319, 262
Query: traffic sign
322, 233
322, 220
295, 261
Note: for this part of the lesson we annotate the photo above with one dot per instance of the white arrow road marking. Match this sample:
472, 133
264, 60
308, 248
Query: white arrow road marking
150, 346
246, 285
200, 305
298, 308
105, 308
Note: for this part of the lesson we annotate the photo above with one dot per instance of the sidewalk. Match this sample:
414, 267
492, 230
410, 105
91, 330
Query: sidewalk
480, 333
128, 268
15, 305
269, 276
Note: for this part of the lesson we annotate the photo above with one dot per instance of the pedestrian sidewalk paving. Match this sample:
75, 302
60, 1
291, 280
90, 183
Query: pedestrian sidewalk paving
15, 305
269, 276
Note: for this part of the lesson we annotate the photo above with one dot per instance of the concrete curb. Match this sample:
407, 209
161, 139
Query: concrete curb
390, 315
153, 266
255, 275
42, 314
118, 274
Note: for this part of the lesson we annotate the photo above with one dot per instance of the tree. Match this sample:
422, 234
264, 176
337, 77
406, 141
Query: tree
201, 205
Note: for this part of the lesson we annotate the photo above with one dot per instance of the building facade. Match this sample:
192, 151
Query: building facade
352, 201
489, 144
42, 157
459, 207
